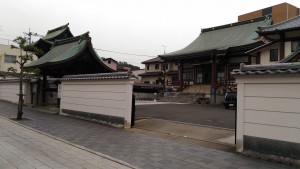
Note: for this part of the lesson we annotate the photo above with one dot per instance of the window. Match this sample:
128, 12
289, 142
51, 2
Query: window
295, 45
165, 66
273, 55
203, 75
199, 77
187, 74
156, 66
109, 61
10, 59
148, 67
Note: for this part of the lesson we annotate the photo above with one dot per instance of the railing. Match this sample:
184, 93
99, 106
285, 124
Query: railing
177, 83
230, 84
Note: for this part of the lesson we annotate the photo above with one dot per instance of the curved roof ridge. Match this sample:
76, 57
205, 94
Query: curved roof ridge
263, 18
58, 28
84, 36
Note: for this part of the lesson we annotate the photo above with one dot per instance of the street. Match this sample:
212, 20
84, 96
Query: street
208, 115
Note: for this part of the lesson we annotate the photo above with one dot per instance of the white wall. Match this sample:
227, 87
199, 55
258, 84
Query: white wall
265, 54
111, 98
9, 91
268, 107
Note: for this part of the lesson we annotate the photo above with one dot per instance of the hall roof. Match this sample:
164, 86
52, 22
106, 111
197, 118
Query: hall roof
221, 38
47, 41
67, 51
54, 33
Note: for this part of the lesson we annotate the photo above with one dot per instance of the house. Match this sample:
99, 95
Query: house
112, 63
8, 58
156, 70
283, 43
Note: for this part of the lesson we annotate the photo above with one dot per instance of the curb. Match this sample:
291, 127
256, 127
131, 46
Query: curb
75, 145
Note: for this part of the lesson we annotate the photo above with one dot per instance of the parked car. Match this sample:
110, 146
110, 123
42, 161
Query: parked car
230, 100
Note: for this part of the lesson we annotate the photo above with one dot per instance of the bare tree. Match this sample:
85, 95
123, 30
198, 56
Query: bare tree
27, 51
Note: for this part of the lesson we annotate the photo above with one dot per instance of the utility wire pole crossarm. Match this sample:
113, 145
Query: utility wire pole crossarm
164, 46
29, 34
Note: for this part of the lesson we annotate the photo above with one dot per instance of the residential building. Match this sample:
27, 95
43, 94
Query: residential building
112, 63
157, 69
283, 43
9, 56
279, 12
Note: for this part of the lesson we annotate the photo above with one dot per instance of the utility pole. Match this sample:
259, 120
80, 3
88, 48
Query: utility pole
164, 46
29, 34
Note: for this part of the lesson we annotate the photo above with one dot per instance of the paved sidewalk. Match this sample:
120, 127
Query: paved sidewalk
22, 148
137, 148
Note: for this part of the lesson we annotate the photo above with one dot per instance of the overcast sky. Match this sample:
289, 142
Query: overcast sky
128, 26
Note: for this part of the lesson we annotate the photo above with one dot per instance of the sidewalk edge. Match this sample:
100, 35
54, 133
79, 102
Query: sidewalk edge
75, 145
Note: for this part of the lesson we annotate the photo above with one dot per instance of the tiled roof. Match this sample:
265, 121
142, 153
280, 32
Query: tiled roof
154, 60
13, 80
278, 68
158, 73
293, 57
98, 76
51, 34
62, 50
65, 50
11, 74
223, 37
293, 23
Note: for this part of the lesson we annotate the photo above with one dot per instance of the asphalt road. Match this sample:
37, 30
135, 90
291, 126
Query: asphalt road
209, 115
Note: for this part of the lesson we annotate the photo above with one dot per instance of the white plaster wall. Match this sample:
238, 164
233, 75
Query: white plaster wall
105, 97
287, 48
9, 91
268, 107
265, 54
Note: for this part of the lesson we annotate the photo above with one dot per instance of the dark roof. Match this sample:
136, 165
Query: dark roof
14, 80
110, 59
278, 68
172, 72
151, 74
99, 76
53, 33
291, 24
71, 56
154, 60
260, 47
11, 74
293, 57
223, 37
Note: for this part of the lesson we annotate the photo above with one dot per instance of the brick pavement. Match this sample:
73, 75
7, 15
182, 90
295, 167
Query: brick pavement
22, 148
136, 148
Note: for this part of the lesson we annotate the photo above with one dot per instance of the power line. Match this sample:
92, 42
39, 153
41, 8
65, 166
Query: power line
123, 53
